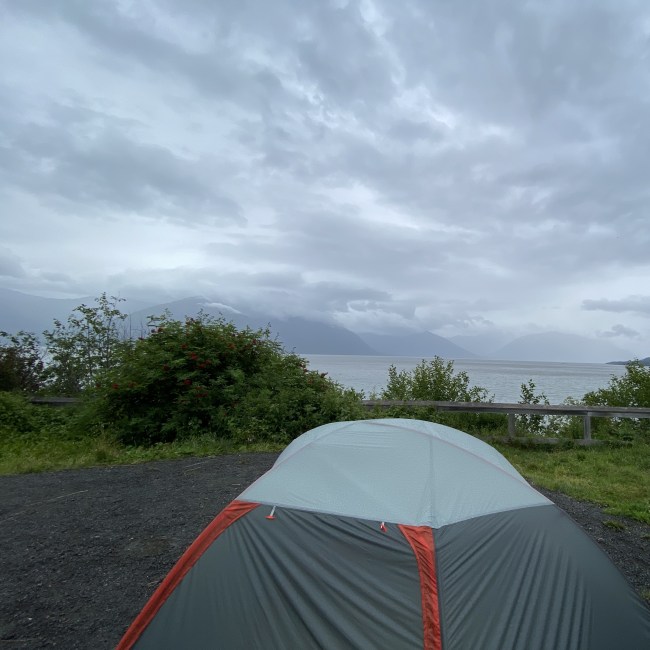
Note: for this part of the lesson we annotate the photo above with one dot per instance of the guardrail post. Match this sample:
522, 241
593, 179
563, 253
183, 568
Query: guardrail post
512, 410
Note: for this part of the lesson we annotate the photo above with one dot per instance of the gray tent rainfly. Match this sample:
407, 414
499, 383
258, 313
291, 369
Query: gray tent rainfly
392, 533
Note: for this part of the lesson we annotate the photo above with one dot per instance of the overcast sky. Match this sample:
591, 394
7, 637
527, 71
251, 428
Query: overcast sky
459, 167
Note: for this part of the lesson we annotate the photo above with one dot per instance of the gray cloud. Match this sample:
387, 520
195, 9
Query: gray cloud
620, 330
10, 264
92, 162
427, 166
209, 57
634, 304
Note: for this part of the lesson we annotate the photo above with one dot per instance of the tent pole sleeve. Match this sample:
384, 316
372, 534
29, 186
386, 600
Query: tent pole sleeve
223, 520
421, 540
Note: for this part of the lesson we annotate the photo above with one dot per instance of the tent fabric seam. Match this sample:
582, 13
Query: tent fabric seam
420, 539
519, 480
279, 504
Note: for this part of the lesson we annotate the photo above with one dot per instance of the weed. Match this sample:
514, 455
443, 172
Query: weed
614, 476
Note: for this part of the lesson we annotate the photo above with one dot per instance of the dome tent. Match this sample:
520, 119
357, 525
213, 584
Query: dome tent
392, 533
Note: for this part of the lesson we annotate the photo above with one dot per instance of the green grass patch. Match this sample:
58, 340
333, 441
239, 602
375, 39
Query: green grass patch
49, 453
613, 477
39, 439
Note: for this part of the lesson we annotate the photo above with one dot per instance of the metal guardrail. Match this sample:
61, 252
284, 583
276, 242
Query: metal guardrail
55, 401
511, 410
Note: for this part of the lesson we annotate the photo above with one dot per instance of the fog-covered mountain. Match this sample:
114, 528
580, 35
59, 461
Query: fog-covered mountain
315, 337
35, 314
296, 334
419, 344
556, 346
19, 311
481, 344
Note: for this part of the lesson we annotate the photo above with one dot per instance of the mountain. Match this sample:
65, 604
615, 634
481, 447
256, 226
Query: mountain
555, 346
21, 311
313, 337
481, 344
421, 344
296, 334
643, 362
179, 309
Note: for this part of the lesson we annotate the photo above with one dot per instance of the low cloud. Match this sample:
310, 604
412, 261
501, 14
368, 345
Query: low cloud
620, 330
632, 304
98, 167
11, 265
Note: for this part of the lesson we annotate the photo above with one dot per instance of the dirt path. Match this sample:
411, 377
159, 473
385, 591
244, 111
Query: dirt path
81, 551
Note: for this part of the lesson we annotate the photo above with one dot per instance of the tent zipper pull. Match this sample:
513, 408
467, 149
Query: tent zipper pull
272, 515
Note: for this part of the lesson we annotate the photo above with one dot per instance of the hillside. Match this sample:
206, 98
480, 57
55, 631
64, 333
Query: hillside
557, 346
20, 311
296, 334
643, 362
419, 344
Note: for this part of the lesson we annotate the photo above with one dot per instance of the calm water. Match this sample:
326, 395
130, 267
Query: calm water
501, 378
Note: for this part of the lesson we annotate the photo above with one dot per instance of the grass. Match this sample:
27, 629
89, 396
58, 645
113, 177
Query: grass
50, 453
616, 478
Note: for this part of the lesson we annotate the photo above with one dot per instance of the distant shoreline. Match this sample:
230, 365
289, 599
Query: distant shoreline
643, 362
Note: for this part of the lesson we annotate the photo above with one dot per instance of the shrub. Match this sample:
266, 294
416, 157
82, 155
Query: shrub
206, 376
284, 399
533, 424
436, 380
16, 414
631, 389
20, 419
89, 343
21, 363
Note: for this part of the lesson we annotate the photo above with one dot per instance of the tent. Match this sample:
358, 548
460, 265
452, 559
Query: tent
392, 533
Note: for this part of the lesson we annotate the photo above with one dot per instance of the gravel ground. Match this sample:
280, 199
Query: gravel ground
81, 551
